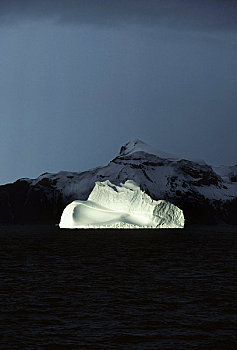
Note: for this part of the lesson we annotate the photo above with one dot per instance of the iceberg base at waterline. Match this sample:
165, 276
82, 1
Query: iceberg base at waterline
121, 206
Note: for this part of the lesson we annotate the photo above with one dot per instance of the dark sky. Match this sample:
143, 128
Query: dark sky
78, 79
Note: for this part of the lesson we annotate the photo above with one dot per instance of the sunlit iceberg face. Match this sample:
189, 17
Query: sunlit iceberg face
123, 206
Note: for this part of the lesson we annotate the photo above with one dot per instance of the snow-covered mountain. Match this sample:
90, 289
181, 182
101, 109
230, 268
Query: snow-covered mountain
206, 194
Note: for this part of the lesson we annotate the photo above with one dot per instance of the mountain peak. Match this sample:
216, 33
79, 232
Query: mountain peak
140, 146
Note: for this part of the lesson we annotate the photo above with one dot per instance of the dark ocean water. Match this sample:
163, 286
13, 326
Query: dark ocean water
118, 289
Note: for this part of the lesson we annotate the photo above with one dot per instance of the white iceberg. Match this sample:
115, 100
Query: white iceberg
122, 206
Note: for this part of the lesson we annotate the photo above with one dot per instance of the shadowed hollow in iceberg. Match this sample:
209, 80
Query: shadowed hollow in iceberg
123, 206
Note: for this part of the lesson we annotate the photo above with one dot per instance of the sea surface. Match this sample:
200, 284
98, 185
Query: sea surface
118, 289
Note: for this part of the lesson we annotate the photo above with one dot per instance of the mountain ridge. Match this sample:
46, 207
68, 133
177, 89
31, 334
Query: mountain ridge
204, 195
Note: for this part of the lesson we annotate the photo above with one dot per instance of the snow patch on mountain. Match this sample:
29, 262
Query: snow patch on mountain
227, 173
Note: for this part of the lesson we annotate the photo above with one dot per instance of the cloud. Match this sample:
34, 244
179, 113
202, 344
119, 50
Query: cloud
193, 14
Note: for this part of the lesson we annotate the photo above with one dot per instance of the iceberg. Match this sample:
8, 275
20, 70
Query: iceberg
121, 206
